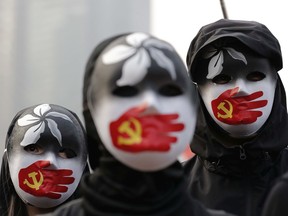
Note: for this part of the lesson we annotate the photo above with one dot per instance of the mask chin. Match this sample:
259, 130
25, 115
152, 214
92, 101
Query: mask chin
242, 130
39, 202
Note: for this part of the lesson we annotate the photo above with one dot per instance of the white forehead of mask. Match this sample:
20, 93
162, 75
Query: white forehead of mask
37, 120
137, 53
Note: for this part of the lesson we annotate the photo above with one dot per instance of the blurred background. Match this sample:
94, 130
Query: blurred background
44, 44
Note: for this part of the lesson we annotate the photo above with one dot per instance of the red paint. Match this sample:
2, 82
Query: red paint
41, 182
138, 132
186, 155
238, 110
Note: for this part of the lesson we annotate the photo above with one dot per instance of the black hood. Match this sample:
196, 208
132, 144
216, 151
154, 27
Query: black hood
211, 141
254, 35
94, 142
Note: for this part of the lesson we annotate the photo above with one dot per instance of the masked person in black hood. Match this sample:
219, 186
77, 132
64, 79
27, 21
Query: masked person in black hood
45, 156
241, 134
139, 108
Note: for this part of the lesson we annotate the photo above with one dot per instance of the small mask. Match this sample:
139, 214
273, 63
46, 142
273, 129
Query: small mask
238, 91
46, 155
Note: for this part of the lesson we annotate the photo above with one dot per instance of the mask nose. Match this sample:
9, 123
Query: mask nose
242, 84
52, 158
152, 101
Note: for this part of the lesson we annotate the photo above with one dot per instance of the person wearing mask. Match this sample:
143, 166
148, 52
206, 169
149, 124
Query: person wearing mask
140, 112
241, 134
45, 156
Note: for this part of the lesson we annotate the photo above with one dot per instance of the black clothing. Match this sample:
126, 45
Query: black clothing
114, 189
229, 173
252, 34
122, 191
276, 202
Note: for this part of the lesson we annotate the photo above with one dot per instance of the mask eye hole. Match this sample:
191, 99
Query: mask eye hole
125, 91
255, 76
222, 79
67, 153
170, 90
34, 149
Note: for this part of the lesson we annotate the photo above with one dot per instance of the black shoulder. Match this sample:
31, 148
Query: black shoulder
73, 207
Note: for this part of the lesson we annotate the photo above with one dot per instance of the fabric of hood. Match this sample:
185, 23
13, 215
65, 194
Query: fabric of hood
210, 141
136, 193
93, 139
254, 35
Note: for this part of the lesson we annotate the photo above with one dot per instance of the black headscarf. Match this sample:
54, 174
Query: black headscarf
115, 189
252, 34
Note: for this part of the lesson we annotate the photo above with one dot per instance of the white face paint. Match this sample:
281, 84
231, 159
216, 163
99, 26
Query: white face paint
45, 162
239, 94
146, 120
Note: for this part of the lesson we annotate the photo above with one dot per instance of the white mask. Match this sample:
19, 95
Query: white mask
46, 155
143, 111
239, 91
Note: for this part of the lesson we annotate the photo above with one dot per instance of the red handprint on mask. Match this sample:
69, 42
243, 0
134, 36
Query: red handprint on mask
237, 110
137, 132
41, 182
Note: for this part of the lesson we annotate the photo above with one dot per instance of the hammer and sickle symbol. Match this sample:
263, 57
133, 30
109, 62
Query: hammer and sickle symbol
35, 183
228, 112
134, 135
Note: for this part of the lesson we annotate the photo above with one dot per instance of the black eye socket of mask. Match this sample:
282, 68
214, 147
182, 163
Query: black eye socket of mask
255, 76
125, 91
252, 76
37, 149
67, 153
34, 149
170, 90
165, 90
222, 79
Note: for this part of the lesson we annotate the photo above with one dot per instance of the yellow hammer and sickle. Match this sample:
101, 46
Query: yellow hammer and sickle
134, 134
228, 112
36, 184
